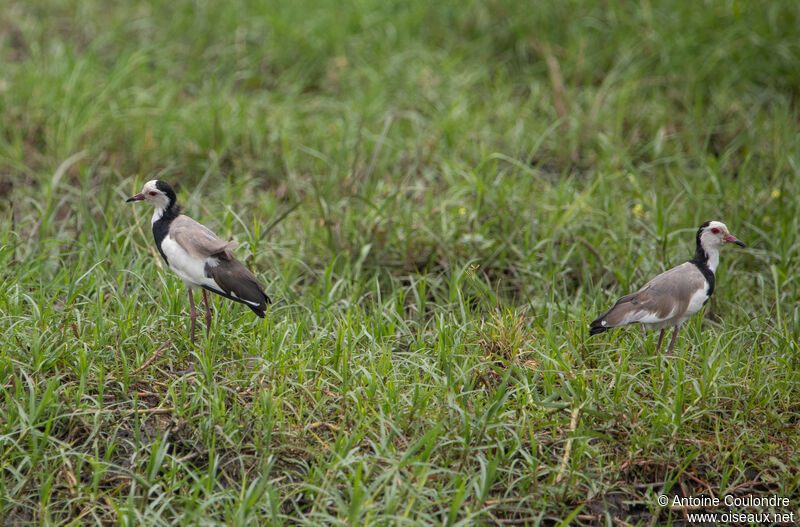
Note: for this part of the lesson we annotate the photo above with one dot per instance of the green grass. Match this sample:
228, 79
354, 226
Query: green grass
440, 197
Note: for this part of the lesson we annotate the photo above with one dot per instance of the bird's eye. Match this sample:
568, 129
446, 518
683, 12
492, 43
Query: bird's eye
713, 231
154, 193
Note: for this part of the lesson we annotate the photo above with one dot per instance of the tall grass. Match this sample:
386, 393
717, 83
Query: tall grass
440, 197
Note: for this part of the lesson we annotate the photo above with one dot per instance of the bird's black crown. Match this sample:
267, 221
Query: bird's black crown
164, 187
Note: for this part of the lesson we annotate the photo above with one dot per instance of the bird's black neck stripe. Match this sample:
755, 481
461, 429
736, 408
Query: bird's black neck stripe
700, 260
161, 226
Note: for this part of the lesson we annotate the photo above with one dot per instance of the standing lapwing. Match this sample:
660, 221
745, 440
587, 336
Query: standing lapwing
675, 295
198, 256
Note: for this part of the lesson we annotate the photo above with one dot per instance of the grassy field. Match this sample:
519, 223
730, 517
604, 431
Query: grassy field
440, 197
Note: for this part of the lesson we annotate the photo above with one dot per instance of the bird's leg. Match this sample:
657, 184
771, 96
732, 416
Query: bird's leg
660, 338
208, 312
192, 314
672, 342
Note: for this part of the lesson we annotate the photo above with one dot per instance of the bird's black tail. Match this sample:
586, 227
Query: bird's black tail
597, 326
595, 330
259, 310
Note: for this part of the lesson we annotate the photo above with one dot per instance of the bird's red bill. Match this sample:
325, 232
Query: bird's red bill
732, 239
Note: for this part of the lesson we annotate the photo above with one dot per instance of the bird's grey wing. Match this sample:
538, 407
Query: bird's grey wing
198, 240
665, 296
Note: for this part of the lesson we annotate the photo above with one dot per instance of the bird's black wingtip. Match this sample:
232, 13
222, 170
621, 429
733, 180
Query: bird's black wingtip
597, 326
596, 330
261, 310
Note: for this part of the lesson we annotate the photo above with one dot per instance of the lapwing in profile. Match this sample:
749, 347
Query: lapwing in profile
198, 256
675, 295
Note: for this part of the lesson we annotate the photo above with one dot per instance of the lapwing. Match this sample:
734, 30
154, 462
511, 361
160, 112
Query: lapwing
675, 295
198, 256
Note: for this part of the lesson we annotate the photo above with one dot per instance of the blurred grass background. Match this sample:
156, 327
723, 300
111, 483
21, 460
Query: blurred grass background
440, 196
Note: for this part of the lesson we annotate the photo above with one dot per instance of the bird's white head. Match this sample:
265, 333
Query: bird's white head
714, 234
711, 236
156, 192
160, 195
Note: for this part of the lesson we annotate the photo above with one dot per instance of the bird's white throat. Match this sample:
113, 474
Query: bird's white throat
713, 258
157, 213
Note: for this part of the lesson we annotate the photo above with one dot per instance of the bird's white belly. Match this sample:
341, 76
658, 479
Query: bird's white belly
696, 302
645, 317
666, 323
191, 270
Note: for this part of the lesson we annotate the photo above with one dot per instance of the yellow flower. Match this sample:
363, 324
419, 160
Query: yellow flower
462, 211
776, 193
638, 210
